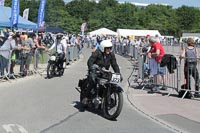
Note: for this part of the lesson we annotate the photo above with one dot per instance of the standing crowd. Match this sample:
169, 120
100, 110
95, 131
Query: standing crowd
22, 48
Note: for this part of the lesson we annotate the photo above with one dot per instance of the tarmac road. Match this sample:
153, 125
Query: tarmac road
38, 105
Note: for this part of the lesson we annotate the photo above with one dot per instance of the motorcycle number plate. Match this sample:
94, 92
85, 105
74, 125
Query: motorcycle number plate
115, 78
53, 58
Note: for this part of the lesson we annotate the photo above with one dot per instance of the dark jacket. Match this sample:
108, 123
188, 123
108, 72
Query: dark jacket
169, 61
103, 60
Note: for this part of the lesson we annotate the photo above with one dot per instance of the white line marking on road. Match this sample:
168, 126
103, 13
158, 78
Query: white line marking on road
8, 128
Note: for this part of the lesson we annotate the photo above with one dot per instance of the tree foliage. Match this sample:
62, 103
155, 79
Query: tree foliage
114, 15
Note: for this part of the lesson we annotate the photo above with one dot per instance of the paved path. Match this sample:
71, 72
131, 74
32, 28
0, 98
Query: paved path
180, 114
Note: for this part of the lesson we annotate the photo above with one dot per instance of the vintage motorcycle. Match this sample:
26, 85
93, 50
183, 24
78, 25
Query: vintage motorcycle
53, 68
107, 96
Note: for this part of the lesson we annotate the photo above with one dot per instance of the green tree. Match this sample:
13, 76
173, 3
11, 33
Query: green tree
188, 18
158, 17
125, 16
103, 4
81, 9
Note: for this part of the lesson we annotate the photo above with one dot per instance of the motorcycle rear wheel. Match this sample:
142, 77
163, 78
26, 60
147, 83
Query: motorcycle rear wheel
113, 102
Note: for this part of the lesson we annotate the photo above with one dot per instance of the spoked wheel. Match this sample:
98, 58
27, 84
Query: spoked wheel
112, 105
50, 71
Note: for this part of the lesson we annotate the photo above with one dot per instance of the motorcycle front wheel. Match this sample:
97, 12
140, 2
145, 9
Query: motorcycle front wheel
112, 105
50, 70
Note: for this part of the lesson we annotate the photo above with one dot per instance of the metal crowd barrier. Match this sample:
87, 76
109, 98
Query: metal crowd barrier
12, 66
145, 76
172, 81
40, 60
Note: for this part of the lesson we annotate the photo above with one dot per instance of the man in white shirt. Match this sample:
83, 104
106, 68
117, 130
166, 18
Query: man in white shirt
60, 49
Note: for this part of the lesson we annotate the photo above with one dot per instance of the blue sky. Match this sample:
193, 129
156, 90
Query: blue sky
174, 3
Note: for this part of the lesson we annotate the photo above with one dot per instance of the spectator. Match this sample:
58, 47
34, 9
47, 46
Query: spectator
157, 52
157, 38
190, 53
39, 51
9, 44
27, 54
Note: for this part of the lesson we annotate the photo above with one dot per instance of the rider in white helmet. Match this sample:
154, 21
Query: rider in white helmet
103, 58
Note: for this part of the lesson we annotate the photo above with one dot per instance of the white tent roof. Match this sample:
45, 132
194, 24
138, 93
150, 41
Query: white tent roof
103, 31
129, 32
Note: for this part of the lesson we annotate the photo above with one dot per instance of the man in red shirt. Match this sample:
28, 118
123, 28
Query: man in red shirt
157, 52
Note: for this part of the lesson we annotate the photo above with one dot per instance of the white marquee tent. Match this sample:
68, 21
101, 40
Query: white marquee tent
130, 32
103, 31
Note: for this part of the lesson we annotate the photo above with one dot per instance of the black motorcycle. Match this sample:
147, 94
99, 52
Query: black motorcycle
107, 96
53, 67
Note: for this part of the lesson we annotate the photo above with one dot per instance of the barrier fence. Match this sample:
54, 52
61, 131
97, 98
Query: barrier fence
18, 63
14, 64
179, 79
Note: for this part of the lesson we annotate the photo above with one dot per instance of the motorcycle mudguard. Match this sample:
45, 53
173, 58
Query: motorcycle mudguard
117, 88
83, 83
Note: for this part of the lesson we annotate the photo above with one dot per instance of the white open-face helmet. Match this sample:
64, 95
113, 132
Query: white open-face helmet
105, 44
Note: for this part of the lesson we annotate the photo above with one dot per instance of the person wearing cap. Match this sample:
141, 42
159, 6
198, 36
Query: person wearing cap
190, 54
60, 49
103, 58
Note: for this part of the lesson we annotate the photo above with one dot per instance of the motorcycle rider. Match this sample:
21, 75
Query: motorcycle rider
103, 58
60, 49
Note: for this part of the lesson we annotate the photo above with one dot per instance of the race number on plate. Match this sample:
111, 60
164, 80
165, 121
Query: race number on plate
115, 78
53, 58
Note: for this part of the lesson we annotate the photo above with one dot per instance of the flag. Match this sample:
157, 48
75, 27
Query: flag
26, 13
41, 13
2, 2
83, 28
14, 13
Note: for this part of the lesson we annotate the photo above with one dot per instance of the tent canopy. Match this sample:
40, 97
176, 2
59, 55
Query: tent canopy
54, 30
5, 15
130, 32
51, 29
103, 31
